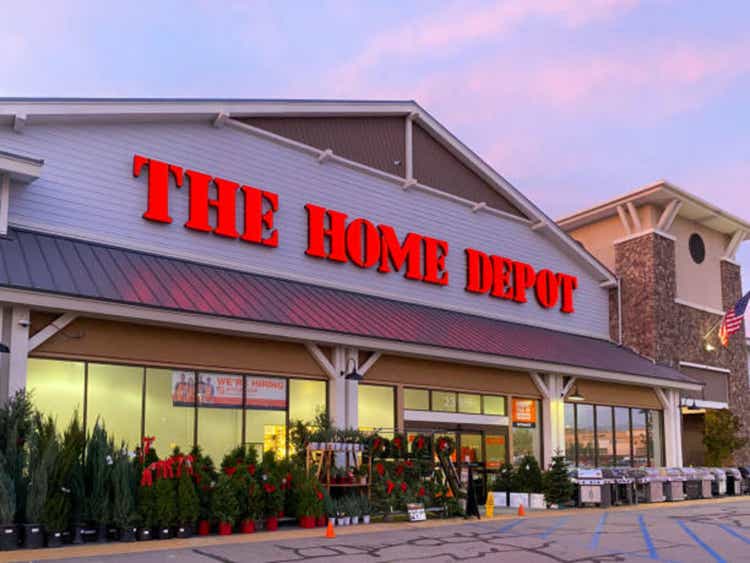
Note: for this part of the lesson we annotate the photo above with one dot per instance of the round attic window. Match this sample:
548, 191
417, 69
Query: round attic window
697, 248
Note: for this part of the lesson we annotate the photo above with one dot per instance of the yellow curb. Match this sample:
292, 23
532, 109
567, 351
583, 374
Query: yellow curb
117, 548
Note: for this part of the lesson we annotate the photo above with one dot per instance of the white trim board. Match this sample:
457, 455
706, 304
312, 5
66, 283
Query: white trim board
705, 367
703, 308
701, 404
208, 323
455, 418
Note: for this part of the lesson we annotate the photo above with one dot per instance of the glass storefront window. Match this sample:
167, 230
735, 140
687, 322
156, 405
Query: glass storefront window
376, 408
655, 441
115, 394
605, 445
471, 447
307, 398
570, 433
444, 401
470, 404
170, 409
416, 399
57, 389
586, 444
640, 442
265, 430
219, 413
494, 449
494, 405
622, 436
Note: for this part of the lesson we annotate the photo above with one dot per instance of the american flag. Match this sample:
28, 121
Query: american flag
733, 320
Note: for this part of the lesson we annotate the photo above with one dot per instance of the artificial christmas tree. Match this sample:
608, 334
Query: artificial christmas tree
188, 505
224, 504
165, 506
558, 488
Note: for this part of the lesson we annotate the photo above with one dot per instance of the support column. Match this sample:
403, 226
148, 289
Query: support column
15, 335
337, 389
670, 399
557, 417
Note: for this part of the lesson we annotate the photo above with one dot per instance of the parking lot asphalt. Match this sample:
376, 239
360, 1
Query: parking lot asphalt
712, 531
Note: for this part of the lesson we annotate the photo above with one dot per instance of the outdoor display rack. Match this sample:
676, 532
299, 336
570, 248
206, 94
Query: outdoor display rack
734, 481
674, 485
325, 455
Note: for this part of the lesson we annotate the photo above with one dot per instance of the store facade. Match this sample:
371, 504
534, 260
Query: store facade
210, 271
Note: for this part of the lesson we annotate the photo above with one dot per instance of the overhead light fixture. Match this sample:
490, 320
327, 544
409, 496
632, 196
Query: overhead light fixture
575, 396
353, 375
4, 349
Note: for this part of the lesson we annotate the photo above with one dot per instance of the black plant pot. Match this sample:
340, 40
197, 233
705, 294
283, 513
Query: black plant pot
101, 534
184, 531
164, 533
113, 534
8, 538
144, 534
33, 536
127, 534
76, 534
54, 539
89, 534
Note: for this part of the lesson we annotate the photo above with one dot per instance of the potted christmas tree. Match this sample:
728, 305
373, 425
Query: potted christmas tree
165, 506
528, 482
205, 476
123, 497
558, 488
307, 503
188, 505
8, 529
146, 506
43, 453
224, 505
99, 460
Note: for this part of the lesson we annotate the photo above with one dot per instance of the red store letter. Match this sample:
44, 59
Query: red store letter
501, 286
363, 243
478, 271
158, 186
256, 220
568, 284
435, 252
317, 233
546, 289
394, 254
225, 204
523, 279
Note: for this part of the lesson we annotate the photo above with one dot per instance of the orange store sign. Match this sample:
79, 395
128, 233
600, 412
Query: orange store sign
523, 413
334, 236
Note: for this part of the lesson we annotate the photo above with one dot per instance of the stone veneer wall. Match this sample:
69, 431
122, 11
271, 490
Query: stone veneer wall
657, 327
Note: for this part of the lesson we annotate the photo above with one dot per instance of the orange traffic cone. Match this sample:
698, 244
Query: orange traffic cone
521, 511
329, 531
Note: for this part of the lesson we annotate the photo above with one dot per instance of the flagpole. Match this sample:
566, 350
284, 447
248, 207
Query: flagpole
713, 328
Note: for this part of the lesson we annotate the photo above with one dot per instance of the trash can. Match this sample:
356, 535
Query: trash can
734, 481
649, 484
719, 486
593, 488
674, 486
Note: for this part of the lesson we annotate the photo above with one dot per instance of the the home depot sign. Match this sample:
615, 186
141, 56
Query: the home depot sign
333, 235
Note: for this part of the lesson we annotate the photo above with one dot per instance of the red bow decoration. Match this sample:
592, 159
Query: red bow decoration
399, 470
251, 469
147, 441
397, 442
421, 492
389, 487
319, 495
230, 470
403, 486
420, 442
376, 444
269, 488
147, 479
380, 468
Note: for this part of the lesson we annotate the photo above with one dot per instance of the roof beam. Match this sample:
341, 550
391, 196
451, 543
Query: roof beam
624, 220
634, 217
479, 206
730, 252
374, 357
51, 329
321, 359
568, 386
410, 183
221, 120
325, 155
668, 215
540, 384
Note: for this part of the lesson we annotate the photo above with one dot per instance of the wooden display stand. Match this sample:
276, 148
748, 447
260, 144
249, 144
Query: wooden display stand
324, 458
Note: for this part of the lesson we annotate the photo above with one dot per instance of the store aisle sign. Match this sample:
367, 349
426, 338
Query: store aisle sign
524, 413
334, 236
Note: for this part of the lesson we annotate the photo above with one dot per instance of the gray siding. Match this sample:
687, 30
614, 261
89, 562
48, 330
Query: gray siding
87, 190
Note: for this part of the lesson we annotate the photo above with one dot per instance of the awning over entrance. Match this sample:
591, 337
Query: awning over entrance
58, 265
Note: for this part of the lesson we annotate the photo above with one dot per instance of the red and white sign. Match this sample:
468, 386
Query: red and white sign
333, 235
265, 393
219, 390
524, 413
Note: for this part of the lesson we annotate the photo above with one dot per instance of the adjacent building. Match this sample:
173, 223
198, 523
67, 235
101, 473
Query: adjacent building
674, 256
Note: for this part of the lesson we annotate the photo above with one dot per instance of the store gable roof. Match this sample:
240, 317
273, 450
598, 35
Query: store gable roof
220, 111
58, 265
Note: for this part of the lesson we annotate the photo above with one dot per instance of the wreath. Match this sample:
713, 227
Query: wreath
398, 446
420, 445
378, 446
445, 445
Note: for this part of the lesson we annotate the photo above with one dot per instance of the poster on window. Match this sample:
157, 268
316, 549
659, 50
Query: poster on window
183, 388
265, 393
524, 413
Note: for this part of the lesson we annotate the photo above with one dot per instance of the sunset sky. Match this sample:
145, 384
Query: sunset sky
574, 101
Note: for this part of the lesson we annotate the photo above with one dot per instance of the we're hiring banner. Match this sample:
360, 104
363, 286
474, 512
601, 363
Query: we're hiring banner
219, 390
